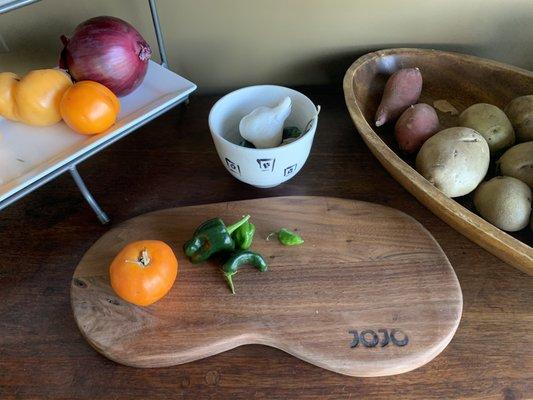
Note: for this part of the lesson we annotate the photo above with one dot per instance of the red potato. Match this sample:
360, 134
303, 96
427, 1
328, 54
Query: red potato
416, 125
401, 90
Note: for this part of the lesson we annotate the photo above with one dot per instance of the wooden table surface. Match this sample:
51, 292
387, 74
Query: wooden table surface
172, 162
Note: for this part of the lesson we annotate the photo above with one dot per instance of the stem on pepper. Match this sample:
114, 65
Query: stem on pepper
237, 224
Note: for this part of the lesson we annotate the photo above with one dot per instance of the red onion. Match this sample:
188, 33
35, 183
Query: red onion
109, 51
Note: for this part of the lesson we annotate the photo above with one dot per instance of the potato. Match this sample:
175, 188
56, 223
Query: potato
505, 202
416, 125
491, 123
520, 112
455, 160
518, 163
401, 90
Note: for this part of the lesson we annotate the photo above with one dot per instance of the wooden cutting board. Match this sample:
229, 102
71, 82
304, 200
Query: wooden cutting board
369, 293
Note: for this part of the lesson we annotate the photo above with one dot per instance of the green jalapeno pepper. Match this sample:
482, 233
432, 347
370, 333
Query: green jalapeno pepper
239, 258
211, 237
286, 237
244, 235
289, 238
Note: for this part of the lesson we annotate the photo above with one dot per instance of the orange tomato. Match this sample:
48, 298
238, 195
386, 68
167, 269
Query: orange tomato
89, 107
143, 272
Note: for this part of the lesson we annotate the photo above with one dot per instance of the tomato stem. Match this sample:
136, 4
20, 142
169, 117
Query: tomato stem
144, 259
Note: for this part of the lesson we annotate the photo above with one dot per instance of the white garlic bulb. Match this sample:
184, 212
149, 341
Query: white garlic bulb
264, 126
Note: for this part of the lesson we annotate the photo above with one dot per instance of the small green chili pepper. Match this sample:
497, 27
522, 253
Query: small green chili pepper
244, 235
289, 238
290, 135
291, 132
239, 258
211, 237
246, 143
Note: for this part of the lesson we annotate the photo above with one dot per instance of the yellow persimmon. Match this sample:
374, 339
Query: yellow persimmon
8, 81
33, 99
38, 94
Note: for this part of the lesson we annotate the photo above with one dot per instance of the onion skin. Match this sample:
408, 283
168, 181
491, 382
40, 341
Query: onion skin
109, 51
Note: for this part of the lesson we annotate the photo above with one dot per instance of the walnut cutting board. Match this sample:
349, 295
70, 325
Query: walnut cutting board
369, 293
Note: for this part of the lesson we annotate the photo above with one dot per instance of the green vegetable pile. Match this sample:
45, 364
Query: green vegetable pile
234, 241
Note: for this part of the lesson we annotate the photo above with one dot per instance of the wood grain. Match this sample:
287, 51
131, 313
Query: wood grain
171, 162
363, 267
461, 80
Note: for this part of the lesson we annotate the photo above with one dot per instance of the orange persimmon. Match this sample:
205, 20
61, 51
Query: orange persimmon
143, 272
89, 107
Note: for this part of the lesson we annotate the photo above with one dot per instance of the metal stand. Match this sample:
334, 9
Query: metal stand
102, 216
158, 33
6, 6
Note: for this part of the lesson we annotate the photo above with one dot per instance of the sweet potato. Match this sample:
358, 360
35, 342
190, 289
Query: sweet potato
416, 125
401, 90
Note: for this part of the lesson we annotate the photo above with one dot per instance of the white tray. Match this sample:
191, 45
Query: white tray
29, 155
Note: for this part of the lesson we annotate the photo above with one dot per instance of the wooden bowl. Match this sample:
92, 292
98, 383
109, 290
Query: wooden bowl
461, 80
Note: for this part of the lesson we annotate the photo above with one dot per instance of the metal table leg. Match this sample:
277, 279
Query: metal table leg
102, 216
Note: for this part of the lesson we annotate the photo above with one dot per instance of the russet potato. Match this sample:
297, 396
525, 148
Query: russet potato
505, 202
455, 160
520, 113
518, 163
491, 123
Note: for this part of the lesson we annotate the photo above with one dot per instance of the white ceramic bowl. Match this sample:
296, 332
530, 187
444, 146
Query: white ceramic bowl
262, 167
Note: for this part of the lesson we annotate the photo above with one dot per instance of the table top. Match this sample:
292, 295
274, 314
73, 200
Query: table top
172, 162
